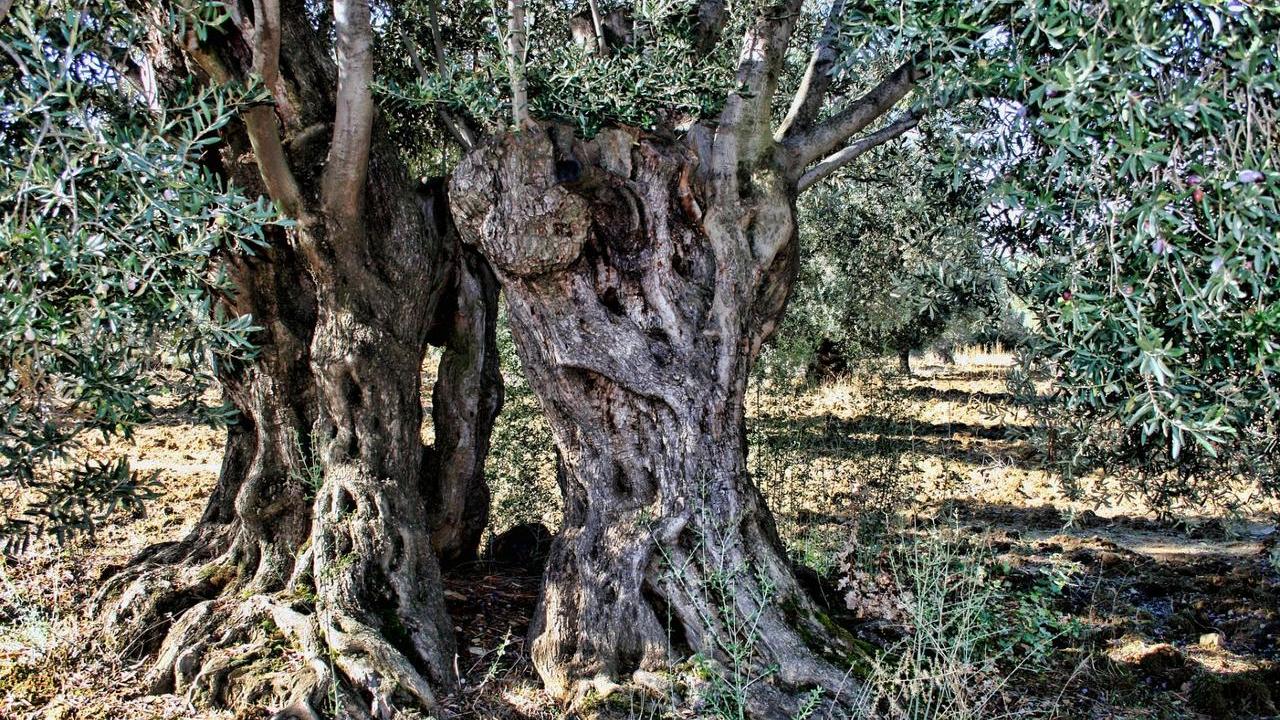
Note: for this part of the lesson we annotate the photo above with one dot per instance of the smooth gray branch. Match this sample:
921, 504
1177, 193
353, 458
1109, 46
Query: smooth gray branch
817, 77
342, 191
824, 138
853, 150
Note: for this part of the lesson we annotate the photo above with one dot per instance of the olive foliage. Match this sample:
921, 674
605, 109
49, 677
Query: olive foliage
1126, 155
1133, 166
893, 260
110, 234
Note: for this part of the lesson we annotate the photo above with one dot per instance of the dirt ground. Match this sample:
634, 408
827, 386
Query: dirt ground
1174, 616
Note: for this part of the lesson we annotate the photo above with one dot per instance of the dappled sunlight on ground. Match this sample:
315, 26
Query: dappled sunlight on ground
1179, 610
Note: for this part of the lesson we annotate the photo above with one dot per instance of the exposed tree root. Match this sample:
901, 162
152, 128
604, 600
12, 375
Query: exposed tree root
326, 611
283, 651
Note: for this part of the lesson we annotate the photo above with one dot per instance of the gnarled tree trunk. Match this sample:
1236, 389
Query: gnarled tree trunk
319, 533
319, 528
640, 284
465, 402
260, 510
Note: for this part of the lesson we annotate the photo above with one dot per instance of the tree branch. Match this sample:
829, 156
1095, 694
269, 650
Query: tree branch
854, 150
456, 126
817, 77
342, 188
601, 43
516, 40
744, 127
437, 42
260, 124
264, 136
266, 54
826, 137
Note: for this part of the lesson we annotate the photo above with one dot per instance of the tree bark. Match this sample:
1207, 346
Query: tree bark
259, 511
465, 402
319, 529
904, 361
380, 603
637, 314
319, 533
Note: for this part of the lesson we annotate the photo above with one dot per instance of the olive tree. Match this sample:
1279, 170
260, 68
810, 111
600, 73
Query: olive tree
645, 268
135, 134
110, 232
632, 175
1134, 186
895, 261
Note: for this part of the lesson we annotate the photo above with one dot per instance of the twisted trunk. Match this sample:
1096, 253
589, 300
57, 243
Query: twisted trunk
465, 402
319, 534
377, 581
259, 512
637, 315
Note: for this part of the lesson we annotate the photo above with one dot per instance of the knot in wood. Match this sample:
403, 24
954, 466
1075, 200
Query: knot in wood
509, 200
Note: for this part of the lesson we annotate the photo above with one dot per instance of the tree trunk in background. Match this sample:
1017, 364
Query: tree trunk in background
947, 353
829, 361
465, 402
319, 533
904, 361
640, 286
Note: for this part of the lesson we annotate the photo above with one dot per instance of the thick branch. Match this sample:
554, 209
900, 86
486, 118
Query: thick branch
264, 134
345, 173
266, 54
516, 39
260, 120
264, 137
744, 127
854, 150
825, 138
817, 77
709, 22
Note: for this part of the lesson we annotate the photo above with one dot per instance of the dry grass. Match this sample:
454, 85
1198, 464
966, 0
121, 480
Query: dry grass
830, 459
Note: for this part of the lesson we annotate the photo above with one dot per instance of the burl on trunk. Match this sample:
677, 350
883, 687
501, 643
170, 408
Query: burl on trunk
641, 279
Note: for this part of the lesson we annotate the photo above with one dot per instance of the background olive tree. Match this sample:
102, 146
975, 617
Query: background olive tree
895, 261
